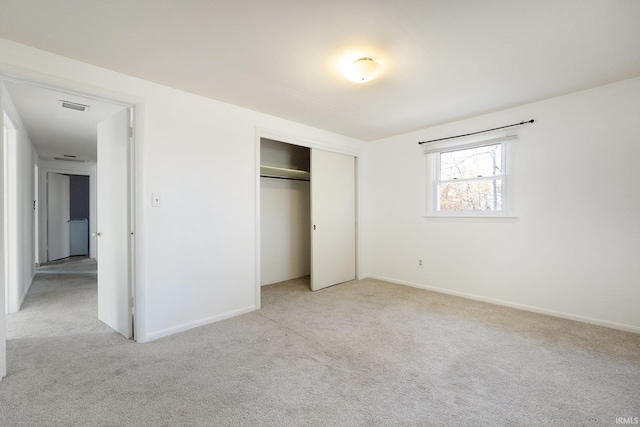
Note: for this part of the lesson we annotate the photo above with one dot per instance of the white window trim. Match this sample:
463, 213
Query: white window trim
508, 197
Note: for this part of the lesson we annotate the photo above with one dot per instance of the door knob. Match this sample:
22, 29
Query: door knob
96, 234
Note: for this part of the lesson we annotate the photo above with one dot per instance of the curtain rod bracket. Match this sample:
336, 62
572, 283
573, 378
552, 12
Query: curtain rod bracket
475, 133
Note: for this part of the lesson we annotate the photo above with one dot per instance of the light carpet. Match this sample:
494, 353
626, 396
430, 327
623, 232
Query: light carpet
364, 353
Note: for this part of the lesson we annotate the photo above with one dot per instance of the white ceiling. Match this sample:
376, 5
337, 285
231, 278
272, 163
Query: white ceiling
443, 59
56, 131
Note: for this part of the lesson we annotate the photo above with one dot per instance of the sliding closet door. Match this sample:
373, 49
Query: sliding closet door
333, 218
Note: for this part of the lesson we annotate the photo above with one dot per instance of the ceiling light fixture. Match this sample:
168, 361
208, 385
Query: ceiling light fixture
362, 70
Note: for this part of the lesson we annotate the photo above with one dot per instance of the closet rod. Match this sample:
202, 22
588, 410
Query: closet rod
284, 177
474, 133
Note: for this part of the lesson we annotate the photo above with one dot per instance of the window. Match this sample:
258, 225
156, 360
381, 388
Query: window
469, 180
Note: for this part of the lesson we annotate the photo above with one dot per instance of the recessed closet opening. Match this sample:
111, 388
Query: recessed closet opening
285, 211
307, 215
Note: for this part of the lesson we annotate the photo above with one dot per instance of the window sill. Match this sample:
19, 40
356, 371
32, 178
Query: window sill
469, 218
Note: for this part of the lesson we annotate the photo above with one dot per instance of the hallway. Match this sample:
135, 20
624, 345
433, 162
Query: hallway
62, 301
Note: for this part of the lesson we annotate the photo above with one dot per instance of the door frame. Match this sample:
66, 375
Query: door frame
135, 106
43, 223
9, 218
276, 135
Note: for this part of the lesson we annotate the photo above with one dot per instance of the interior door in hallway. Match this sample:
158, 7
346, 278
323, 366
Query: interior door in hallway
113, 225
58, 216
333, 219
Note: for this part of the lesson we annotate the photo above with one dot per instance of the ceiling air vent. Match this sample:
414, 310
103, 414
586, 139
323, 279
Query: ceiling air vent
73, 105
69, 158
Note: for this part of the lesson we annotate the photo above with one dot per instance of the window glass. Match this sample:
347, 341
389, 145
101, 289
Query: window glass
471, 163
476, 195
470, 181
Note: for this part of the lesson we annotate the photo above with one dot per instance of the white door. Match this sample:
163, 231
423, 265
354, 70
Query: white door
112, 230
333, 219
58, 216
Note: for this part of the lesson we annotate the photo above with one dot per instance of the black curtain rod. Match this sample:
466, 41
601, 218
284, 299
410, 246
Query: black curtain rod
474, 133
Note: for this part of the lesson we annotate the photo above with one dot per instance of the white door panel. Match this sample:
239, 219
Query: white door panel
333, 218
113, 223
58, 216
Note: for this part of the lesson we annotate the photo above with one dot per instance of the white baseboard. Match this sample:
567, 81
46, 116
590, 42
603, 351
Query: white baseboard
554, 313
26, 291
190, 325
21, 297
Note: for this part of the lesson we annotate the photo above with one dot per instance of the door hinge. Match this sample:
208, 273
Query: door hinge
130, 132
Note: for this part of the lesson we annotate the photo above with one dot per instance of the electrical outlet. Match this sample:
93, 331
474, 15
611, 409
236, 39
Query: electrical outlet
419, 263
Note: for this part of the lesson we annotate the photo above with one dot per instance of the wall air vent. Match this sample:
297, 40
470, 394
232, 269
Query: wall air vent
73, 105
69, 159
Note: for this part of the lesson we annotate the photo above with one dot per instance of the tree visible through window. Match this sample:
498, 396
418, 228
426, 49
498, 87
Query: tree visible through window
470, 180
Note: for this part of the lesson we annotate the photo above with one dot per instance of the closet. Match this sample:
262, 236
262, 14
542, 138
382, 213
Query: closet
307, 214
285, 212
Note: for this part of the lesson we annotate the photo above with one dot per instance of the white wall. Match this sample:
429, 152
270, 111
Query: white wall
575, 249
285, 215
21, 180
3, 334
195, 255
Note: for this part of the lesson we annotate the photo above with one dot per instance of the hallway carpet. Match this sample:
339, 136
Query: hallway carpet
364, 353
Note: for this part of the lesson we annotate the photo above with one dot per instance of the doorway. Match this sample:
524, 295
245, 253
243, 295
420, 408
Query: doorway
68, 215
63, 160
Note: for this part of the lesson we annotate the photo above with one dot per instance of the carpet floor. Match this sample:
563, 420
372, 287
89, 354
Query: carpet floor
363, 353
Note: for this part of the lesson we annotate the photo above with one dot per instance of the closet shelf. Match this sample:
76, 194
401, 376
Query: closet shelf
274, 172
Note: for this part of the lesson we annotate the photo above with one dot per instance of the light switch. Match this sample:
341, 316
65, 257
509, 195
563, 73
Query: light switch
156, 200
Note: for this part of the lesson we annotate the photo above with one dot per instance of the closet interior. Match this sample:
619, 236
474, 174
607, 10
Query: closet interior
285, 211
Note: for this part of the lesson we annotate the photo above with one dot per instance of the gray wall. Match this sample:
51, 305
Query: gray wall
79, 192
